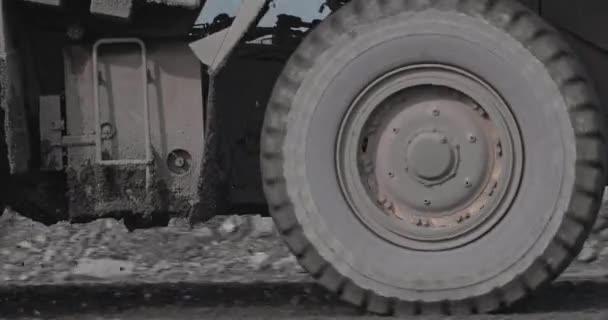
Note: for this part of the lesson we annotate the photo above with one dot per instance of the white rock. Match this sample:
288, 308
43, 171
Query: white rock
25, 244
259, 260
40, 238
263, 227
604, 252
103, 268
203, 232
230, 225
88, 252
180, 223
7, 216
48, 255
161, 266
286, 262
589, 254
110, 223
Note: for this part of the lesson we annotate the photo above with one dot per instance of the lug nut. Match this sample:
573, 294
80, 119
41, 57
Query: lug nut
499, 149
467, 183
472, 139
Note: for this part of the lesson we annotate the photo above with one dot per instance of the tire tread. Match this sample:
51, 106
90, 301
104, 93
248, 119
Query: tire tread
546, 44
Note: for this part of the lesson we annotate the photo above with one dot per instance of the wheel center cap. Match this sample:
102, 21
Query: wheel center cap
430, 156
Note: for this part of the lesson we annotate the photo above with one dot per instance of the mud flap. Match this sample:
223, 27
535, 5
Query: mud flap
213, 51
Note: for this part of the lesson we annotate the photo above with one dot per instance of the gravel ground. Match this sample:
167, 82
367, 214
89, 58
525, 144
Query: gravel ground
237, 264
233, 248
104, 251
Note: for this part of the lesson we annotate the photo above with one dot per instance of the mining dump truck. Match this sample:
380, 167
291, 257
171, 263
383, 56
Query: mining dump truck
416, 155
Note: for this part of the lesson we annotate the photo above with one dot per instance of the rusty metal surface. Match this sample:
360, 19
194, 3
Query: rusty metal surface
176, 123
429, 157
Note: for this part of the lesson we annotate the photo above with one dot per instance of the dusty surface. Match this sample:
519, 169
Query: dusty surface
229, 268
104, 251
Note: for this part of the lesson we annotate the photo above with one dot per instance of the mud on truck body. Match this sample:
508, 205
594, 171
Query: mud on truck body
416, 155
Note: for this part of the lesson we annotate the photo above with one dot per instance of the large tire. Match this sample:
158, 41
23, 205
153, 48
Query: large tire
561, 174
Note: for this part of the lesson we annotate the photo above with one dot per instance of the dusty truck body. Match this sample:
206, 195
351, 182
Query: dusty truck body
416, 155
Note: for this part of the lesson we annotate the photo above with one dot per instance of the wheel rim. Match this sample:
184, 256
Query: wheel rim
429, 157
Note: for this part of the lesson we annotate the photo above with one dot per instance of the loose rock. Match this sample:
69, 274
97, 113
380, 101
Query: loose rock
230, 225
287, 262
203, 232
24, 245
40, 239
259, 260
263, 227
589, 254
103, 268
604, 252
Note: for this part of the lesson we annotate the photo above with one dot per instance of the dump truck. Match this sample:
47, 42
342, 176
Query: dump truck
417, 156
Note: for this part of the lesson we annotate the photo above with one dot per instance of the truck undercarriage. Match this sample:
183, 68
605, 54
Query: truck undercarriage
143, 110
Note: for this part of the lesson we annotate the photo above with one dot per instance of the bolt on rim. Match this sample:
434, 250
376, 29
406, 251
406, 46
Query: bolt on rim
429, 157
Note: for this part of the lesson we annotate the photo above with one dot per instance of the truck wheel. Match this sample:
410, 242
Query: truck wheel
433, 155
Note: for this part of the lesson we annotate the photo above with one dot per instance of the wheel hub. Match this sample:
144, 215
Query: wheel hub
423, 157
430, 158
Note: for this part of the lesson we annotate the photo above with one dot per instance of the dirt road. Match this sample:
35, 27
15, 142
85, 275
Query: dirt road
229, 268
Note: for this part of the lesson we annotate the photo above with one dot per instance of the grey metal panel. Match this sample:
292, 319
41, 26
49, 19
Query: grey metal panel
176, 112
130, 101
215, 49
51, 127
114, 8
